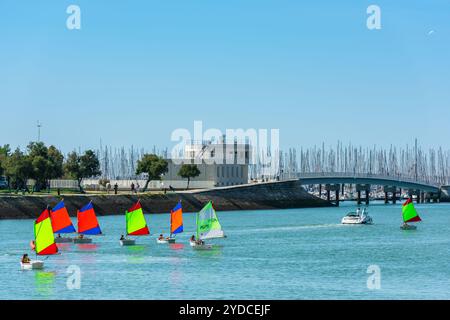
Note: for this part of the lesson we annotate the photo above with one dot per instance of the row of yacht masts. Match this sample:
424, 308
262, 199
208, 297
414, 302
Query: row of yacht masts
412, 162
430, 165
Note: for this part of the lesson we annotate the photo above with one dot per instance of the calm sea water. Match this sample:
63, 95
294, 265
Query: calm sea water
283, 254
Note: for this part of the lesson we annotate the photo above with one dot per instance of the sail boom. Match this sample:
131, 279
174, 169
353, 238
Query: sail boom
214, 234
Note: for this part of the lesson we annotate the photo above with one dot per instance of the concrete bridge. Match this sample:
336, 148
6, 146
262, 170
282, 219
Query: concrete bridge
335, 182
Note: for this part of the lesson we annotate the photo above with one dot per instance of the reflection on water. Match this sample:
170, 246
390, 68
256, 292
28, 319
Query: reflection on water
88, 247
176, 282
64, 246
215, 251
44, 283
136, 254
176, 246
135, 249
292, 254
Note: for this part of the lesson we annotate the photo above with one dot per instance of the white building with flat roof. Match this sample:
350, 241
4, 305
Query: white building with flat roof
221, 164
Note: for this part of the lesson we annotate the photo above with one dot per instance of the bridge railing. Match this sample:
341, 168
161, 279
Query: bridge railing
398, 178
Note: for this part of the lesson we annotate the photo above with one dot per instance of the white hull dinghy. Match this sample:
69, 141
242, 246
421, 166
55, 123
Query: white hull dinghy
43, 243
87, 224
62, 225
127, 242
176, 225
358, 217
166, 241
63, 240
202, 246
32, 265
208, 227
409, 215
82, 240
136, 225
408, 227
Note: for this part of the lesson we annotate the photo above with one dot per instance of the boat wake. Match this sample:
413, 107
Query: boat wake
286, 228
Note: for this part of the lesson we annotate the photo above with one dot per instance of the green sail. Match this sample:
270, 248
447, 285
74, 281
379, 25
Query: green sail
409, 212
208, 226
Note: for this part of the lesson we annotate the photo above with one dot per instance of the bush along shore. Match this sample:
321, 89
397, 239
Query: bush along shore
264, 196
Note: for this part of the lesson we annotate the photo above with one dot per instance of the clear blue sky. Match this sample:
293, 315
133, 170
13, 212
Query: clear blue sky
137, 70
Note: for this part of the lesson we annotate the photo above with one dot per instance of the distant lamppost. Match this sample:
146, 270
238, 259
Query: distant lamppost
39, 125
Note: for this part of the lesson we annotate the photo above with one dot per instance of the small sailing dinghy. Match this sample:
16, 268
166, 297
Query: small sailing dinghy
87, 224
409, 215
61, 223
176, 225
136, 224
44, 243
208, 227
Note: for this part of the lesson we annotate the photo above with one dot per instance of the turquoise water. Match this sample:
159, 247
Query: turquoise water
283, 254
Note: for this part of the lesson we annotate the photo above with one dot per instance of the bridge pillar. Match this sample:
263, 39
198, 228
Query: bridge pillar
360, 188
435, 197
333, 187
320, 191
390, 189
367, 197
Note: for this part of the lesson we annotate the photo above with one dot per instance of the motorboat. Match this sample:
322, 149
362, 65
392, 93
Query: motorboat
358, 217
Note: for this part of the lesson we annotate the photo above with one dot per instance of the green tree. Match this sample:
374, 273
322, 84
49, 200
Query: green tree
18, 169
189, 171
153, 166
80, 167
47, 163
4, 153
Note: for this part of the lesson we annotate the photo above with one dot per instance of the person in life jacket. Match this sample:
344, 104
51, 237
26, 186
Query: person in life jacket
25, 258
